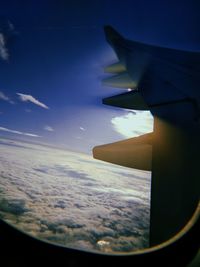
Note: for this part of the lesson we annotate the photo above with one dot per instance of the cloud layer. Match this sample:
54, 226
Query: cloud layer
18, 132
30, 98
70, 199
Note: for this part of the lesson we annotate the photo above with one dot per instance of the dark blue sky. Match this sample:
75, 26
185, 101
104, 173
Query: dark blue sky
52, 53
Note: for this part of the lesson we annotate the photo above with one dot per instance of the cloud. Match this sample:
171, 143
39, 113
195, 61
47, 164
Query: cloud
4, 55
30, 98
133, 123
5, 98
14, 206
7, 31
28, 110
48, 128
64, 198
82, 129
18, 132
11, 26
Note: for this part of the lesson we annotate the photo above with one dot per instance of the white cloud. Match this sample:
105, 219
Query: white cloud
82, 129
62, 197
30, 98
133, 123
28, 110
11, 26
48, 128
18, 132
3, 50
5, 98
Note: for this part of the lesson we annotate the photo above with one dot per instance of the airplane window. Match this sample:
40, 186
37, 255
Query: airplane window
52, 117
99, 129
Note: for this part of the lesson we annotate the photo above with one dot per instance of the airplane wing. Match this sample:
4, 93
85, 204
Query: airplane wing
166, 82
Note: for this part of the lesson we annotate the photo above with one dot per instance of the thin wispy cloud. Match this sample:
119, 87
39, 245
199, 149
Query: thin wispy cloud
18, 132
4, 55
30, 98
11, 26
5, 98
7, 31
48, 128
82, 129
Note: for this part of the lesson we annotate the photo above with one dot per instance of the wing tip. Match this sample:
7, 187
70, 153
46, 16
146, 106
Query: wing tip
111, 34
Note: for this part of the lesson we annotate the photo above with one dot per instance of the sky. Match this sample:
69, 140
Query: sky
52, 55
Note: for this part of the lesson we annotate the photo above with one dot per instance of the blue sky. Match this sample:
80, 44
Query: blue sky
52, 55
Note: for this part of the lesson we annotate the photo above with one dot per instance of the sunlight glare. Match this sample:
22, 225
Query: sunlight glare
133, 124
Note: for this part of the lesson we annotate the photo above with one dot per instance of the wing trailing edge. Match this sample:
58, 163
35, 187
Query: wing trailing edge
130, 100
